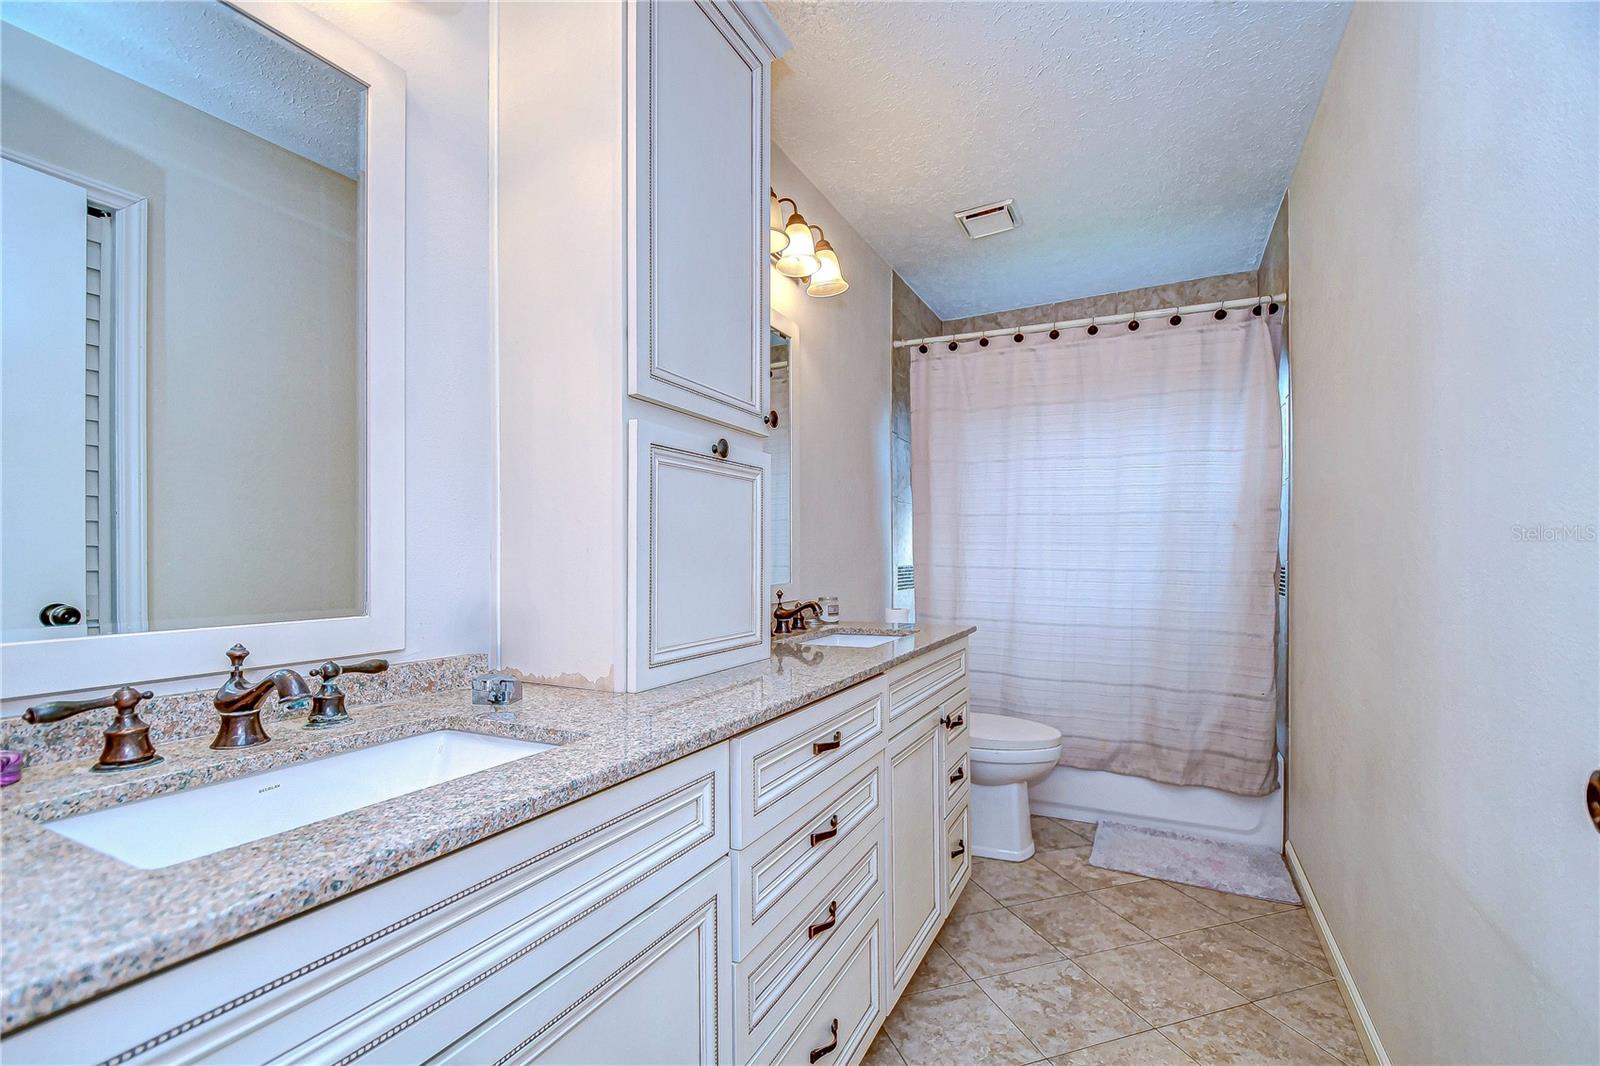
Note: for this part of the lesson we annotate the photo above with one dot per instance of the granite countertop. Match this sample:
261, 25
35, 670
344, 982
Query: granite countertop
77, 923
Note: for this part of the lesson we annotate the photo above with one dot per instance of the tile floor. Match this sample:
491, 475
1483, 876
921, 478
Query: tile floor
1054, 961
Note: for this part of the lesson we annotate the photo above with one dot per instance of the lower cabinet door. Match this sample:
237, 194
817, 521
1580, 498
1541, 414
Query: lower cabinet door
648, 993
916, 847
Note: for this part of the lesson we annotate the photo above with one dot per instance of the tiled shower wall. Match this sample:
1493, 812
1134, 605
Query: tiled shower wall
913, 318
910, 318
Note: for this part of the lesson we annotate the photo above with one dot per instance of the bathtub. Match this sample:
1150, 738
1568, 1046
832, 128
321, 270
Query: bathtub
1097, 795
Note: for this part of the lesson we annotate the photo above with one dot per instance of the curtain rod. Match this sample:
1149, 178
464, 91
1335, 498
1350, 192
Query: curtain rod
1100, 320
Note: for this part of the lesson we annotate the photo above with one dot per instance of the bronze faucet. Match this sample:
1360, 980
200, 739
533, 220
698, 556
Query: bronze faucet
239, 702
127, 741
793, 619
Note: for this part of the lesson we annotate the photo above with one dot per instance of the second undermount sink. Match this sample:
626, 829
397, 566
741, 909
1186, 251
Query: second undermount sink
174, 828
849, 640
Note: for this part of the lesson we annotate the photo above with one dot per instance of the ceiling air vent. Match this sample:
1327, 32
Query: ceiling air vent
987, 220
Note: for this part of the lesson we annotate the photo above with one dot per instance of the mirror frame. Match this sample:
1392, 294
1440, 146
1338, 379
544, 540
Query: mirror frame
72, 664
787, 326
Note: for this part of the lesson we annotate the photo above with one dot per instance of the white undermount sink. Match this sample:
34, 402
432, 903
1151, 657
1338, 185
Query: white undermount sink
171, 829
849, 640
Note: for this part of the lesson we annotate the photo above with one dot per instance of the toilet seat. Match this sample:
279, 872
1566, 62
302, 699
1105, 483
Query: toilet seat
1002, 733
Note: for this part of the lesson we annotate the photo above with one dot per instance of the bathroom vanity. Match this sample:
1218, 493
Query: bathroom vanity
746, 867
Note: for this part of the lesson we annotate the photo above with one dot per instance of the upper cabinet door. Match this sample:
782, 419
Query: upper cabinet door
696, 574
699, 118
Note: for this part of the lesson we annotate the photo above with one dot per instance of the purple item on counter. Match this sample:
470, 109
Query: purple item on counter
10, 768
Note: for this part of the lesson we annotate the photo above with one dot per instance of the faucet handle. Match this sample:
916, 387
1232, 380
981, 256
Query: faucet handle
330, 669
127, 739
236, 657
327, 706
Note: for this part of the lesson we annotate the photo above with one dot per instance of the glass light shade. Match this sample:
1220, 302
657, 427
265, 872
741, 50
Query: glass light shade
800, 254
828, 280
780, 239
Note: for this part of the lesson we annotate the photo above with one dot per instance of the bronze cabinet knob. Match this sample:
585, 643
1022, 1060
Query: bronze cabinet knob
720, 448
59, 614
1592, 794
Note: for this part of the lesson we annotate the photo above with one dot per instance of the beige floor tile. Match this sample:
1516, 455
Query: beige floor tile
1083, 829
1319, 1014
1158, 983
1245, 962
1060, 1008
1054, 833
1244, 1035
1019, 882
1158, 908
1291, 931
882, 1052
938, 970
1079, 925
1141, 1049
956, 1024
1232, 907
993, 942
1073, 864
973, 900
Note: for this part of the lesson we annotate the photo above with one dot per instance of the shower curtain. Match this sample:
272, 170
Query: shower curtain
1105, 509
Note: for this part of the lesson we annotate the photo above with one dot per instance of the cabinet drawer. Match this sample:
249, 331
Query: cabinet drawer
842, 1008
958, 778
356, 972
786, 764
645, 993
955, 717
784, 866
958, 852
774, 975
913, 683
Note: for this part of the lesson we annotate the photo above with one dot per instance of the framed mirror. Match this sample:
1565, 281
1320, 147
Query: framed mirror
202, 363
782, 348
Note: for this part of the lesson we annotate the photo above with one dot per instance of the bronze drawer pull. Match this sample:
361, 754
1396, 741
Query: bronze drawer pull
814, 931
955, 721
817, 1053
820, 746
959, 775
829, 833
961, 848
720, 448
1592, 796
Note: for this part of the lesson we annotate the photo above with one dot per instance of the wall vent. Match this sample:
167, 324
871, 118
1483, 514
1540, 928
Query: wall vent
988, 220
905, 578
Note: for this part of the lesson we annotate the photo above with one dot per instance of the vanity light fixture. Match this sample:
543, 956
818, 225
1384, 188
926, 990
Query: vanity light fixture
798, 254
799, 257
828, 279
780, 239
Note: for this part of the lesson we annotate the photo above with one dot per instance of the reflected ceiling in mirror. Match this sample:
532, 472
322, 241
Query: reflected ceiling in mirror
182, 323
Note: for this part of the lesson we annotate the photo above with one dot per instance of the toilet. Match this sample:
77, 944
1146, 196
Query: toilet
1008, 755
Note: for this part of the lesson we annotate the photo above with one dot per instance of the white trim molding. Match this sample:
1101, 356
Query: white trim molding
1341, 972
86, 662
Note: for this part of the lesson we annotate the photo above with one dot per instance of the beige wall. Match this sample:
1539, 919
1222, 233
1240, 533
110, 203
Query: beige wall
252, 417
1443, 677
841, 424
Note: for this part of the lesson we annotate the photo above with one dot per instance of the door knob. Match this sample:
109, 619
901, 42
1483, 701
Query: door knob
59, 614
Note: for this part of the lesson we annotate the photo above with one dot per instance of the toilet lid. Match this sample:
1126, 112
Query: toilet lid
1000, 732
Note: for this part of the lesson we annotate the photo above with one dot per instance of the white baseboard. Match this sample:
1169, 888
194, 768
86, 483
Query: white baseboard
1347, 985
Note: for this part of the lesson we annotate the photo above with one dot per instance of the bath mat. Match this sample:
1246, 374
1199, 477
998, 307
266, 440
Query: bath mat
1242, 869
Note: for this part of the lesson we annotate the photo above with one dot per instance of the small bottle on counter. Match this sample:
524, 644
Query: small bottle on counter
830, 608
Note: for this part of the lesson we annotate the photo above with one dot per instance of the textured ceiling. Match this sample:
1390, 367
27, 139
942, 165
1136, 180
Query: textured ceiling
1144, 143
215, 60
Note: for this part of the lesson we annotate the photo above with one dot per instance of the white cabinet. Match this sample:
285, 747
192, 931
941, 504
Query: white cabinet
916, 841
699, 115
649, 992
696, 576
